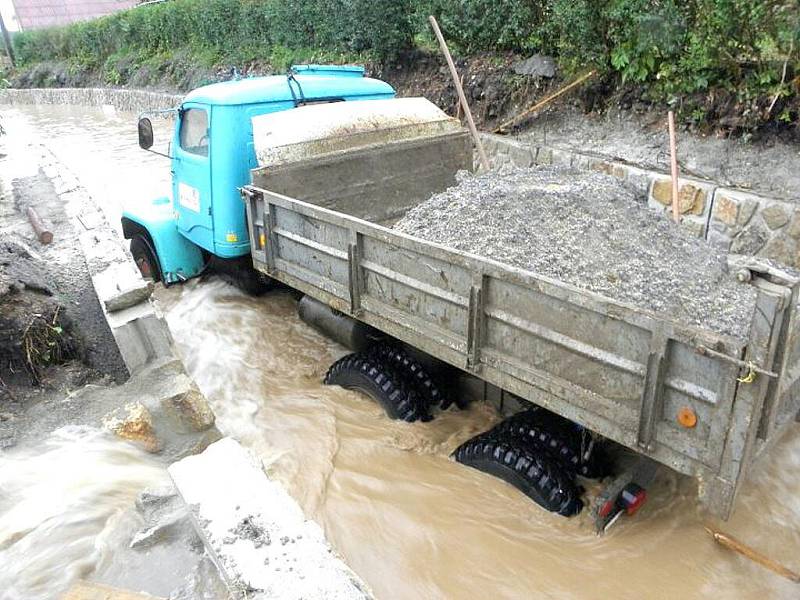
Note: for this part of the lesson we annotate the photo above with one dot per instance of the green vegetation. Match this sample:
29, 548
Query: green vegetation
671, 47
666, 49
233, 30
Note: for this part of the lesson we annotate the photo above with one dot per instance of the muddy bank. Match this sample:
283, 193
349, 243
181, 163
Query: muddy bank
53, 336
35, 331
497, 83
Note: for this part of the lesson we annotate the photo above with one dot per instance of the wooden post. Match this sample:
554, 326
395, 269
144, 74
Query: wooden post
460, 90
7, 41
542, 103
673, 151
733, 544
458, 104
43, 232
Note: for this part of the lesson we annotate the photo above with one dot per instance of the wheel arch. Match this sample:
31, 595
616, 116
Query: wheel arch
178, 258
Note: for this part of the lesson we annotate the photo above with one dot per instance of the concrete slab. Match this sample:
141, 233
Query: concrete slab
257, 535
120, 286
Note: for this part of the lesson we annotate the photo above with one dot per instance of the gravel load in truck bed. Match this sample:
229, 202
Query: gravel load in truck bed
591, 231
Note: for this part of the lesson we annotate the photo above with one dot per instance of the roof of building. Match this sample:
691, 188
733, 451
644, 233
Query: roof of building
276, 88
36, 14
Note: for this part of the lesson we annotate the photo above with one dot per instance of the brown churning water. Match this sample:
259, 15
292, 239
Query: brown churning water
413, 523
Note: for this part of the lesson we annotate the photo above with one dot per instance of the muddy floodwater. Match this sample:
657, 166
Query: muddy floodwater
410, 521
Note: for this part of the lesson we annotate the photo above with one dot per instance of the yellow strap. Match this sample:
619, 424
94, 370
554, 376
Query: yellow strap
751, 375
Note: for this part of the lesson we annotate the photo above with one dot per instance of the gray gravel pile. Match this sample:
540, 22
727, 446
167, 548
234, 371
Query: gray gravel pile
589, 230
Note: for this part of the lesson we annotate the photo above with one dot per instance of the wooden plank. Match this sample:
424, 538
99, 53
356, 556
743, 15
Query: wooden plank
86, 590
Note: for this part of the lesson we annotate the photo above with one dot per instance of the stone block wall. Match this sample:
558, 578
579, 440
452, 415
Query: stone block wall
736, 221
695, 199
744, 223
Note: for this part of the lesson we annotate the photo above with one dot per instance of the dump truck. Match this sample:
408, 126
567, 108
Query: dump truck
316, 192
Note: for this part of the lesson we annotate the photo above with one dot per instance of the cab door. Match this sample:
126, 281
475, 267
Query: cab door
192, 175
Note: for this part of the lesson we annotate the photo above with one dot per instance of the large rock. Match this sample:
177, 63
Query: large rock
775, 216
134, 423
751, 239
781, 248
164, 411
537, 65
691, 198
726, 210
188, 405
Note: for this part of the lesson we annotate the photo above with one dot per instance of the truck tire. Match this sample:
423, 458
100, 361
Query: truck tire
557, 436
370, 376
415, 374
145, 258
536, 474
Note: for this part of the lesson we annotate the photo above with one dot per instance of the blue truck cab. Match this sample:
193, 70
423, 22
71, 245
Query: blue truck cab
212, 153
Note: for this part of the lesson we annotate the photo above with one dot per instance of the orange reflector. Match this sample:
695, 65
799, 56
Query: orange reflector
687, 417
231, 237
262, 240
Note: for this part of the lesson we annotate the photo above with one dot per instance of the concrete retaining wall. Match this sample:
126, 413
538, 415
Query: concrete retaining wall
734, 220
121, 99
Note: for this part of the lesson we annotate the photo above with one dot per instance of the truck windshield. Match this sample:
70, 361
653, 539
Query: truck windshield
194, 131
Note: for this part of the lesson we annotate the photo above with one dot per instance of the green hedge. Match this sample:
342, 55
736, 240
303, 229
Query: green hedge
229, 28
670, 47
674, 46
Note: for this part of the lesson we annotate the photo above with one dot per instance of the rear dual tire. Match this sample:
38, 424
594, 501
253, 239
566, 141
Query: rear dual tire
537, 475
366, 374
413, 393
558, 437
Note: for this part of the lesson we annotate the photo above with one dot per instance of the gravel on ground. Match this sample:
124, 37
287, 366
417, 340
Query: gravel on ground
589, 230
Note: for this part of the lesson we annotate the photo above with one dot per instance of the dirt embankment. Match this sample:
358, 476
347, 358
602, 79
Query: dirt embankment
494, 85
53, 336
35, 331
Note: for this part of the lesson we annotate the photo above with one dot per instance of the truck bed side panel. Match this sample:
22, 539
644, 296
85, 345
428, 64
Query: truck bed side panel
612, 368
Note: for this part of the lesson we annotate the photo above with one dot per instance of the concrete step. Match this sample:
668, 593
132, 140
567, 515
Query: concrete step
256, 534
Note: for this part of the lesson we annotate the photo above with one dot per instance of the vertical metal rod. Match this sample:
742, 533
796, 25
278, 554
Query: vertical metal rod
673, 151
7, 41
460, 90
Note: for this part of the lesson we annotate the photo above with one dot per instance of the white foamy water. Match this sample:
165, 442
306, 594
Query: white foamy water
59, 500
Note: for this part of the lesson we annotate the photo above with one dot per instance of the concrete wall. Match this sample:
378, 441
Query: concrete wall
121, 99
736, 221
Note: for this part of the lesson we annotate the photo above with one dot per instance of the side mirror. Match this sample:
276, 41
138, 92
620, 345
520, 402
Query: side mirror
145, 133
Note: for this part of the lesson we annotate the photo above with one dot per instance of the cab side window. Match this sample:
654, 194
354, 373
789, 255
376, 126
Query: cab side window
194, 131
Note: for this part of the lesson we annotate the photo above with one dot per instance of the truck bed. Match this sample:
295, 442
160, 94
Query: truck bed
620, 371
